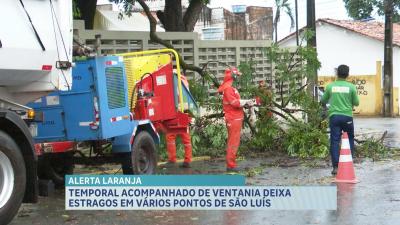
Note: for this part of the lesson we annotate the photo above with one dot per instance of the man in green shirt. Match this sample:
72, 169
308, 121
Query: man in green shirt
342, 97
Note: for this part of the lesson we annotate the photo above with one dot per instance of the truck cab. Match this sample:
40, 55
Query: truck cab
35, 59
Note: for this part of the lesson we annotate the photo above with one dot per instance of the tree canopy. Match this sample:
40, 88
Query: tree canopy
282, 5
363, 9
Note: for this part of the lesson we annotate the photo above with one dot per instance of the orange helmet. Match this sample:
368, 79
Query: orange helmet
235, 71
228, 78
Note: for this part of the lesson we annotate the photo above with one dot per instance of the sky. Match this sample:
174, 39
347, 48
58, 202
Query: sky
324, 9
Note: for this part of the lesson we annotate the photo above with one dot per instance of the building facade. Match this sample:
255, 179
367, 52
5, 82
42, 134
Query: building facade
251, 23
359, 45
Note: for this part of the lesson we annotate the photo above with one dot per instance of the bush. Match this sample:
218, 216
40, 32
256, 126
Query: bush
373, 149
304, 141
211, 141
268, 135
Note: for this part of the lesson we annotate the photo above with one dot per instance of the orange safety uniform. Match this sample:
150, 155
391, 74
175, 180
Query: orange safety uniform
185, 137
171, 146
233, 117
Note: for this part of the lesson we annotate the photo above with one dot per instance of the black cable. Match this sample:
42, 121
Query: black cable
58, 53
134, 88
55, 35
152, 80
59, 29
33, 27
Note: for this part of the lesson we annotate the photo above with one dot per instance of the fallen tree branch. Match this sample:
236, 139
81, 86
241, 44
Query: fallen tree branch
291, 95
247, 121
285, 111
383, 136
214, 115
154, 38
279, 114
380, 140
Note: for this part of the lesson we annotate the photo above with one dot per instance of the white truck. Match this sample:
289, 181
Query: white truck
35, 59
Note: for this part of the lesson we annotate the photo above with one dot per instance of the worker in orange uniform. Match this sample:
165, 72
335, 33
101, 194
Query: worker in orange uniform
233, 110
186, 140
171, 148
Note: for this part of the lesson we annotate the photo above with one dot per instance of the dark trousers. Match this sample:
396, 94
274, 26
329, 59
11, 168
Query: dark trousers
337, 124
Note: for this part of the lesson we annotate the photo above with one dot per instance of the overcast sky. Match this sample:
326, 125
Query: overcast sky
324, 9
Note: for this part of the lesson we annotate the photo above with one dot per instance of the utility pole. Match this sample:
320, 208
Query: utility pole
312, 43
388, 61
297, 21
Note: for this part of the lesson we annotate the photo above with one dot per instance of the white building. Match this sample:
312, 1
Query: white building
358, 44
106, 18
214, 29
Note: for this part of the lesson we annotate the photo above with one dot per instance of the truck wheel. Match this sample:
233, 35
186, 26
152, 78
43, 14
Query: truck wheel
12, 178
143, 159
55, 166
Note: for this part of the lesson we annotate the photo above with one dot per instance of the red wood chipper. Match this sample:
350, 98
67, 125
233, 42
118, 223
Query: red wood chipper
158, 91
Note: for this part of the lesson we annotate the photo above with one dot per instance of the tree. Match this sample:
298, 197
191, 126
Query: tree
177, 21
282, 5
173, 18
189, 21
362, 9
85, 10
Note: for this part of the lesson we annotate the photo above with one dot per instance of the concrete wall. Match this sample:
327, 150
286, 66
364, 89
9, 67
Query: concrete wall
369, 91
193, 50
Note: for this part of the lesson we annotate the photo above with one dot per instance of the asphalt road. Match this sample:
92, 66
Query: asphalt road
375, 200
377, 126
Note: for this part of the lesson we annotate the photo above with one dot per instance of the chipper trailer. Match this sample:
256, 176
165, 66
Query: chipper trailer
104, 104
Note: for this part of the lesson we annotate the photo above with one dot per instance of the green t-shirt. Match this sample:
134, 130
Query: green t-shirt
342, 96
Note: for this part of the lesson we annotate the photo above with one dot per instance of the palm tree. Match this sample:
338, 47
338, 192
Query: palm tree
283, 5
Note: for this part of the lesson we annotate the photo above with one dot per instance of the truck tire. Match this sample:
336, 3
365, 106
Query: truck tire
54, 166
143, 159
12, 178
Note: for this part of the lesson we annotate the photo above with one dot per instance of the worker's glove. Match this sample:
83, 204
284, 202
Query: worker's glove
251, 102
247, 102
243, 102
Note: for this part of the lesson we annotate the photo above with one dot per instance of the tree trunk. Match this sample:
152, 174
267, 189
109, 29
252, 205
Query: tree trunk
192, 14
87, 10
173, 16
154, 37
388, 61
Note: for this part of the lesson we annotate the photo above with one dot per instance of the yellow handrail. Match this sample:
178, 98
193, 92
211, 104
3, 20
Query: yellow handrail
178, 66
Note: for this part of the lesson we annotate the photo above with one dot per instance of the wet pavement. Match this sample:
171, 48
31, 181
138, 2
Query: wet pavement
375, 127
373, 201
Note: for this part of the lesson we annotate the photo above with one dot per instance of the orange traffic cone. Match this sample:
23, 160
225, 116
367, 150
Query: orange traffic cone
345, 169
